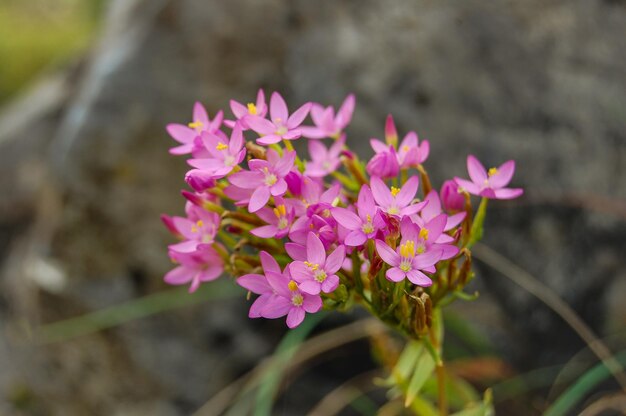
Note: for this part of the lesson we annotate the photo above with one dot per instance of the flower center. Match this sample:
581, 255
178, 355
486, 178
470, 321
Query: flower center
405, 265
492, 171
368, 227
320, 276
229, 160
221, 146
297, 300
423, 234
280, 211
393, 210
196, 125
270, 178
252, 109
394, 191
196, 227
281, 131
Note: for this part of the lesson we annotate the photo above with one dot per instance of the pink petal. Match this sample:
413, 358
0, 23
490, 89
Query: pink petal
365, 202
427, 259
296, 251
258, 305
503, 176
210, 274
312, 303
315, 251
344, 115
180, 133
382, 194
260, 125
279, 188
508, 193
284, 165
269, 139
255, 283
433, 207
279, 283
388, 255
278, 108
395, 274
317, 151
246, 180
378, 146
269, 263
295, 317
454, 220
181, 150
266, 231
355, 238
330, 284
419, 278
470, 187
199, 114
238, 109
312, 132
335, 260
298, 116
259, 198
292, 134
312, 287
476, 170
236, 140
276, 307
408, 191
346, 218
179, 276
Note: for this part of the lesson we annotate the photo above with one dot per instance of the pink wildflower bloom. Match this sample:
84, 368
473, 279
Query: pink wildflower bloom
430, 236
242, 112
409, 259
315, 223
200, 180
325, 161
451, 198
411, 153
198, 233
282, 126
326, 124
397, 201
384, 164
241, 196
225, 154
489, 184
289, 300
186, 135
279, 219
195, 267
266, 177
433, 209
363, 226
317, 273
258, 284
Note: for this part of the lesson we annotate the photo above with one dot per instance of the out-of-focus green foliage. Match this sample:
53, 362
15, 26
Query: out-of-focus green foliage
39, 34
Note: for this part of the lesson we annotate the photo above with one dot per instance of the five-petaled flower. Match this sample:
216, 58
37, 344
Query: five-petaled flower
317, 273
492, 183
281, 125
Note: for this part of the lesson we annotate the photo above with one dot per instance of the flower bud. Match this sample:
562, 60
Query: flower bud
451, 198
391, 133
199, 180
384, 164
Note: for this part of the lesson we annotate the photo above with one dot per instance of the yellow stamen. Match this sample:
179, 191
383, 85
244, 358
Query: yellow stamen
492, 171
252, 109
197, 226
312, 266
424, 234
394, 191
280, 211
405, 148
293, 286
221, 146
195, 124
407, 249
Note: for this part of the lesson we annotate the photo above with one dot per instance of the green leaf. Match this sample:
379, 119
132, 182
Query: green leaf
406, 363
424, 408
484, 408
424, 369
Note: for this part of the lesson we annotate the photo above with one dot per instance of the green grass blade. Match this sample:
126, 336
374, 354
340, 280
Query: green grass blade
135, 309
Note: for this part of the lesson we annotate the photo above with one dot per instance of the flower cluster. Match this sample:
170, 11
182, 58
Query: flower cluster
330, 231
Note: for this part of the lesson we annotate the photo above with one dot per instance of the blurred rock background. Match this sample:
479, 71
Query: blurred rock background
85, 173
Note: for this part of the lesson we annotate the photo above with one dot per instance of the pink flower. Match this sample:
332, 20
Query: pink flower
225, 154
451, 198
258, 284
197, 233
200, 180
384, 164
409, 259
266, 177
279, 219
363, 226
411, 153
429, 236
490, 184
396, 201
317, 273
195, 267
187, 134
288, 299
281, 126
326, 124
433, 209
242, 112
324, 161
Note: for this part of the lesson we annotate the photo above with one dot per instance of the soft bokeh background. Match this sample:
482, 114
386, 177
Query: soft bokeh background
86, 88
